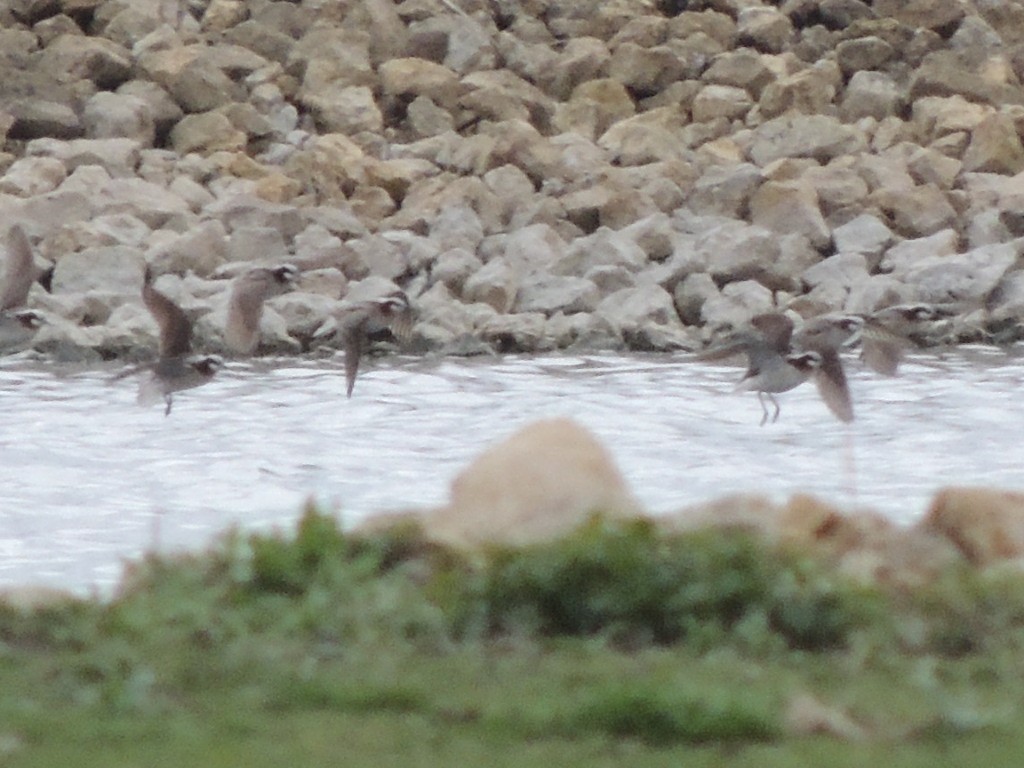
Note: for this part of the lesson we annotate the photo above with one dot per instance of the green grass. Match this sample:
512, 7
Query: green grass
618, 644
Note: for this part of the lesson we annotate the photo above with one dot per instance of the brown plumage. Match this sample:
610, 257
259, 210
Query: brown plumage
175, 369
771, 367
245, 305
826, 335
356, 322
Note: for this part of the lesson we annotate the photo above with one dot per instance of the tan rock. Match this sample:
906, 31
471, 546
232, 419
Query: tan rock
715, 101
418, 77
995, 147
917, 212
818, 136
742, 68
985, 524
764, 28
790, 207
541, 482
205, 133
810, 91
594, 106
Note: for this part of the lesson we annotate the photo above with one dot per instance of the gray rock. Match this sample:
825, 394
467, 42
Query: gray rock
496, 285
549, 294
202, 249
735, 305
818, 136
119, 115
645, 316
866, 234
114, 268
968, 277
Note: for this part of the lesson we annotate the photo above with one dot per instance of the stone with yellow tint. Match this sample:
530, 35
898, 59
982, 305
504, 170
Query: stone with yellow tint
543, 481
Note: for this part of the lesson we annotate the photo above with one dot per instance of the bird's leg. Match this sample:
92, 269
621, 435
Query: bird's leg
169, 400
764, 408
777, 408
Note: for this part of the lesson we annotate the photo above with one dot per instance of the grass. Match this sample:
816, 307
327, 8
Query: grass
616, 644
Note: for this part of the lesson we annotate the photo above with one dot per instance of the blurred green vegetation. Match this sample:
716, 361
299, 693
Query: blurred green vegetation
617, 643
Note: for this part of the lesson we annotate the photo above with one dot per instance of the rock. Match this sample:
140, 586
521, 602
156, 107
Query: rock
725, 189
968, 277
735, 304
116, 268
861, 54
495, 284
31, 176
549, 294
917, 212
103, 62
645, 317
206, 133
542, 482
119, 115
201, 250
866, 235
743, 68
721, 101
871, 94
790, 208
986, 525
817, 136
995, 147
765, 29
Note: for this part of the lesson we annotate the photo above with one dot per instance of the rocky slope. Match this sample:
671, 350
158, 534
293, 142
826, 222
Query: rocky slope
536, 174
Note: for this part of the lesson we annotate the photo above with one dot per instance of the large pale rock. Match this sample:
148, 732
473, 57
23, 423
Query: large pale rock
119, 115
715, 101
986, 525
809, 91
646, 317
735, 304
30, 176
495, 284
725, 189
417, 77
863, 53
949, 73
917, 212
119, 157
743, 68
594, 107
116, 269
818, 136
790, 207
645, 70
865, 234
871, 94
542, 482
205, 133
968, 277
76, 56
995, 147
764, 28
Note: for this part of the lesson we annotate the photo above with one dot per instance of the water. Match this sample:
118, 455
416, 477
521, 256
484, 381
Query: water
88, 478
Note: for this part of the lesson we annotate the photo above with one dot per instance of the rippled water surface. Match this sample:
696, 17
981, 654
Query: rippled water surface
88, 478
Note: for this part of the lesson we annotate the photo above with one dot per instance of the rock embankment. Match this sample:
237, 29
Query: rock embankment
536, 174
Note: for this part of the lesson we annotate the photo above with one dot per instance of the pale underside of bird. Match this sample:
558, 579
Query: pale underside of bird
355, 323
779, 359
245, 305
18, 325
177, 368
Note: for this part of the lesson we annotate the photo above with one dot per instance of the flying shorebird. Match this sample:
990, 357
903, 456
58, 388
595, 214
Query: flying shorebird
17, 324
354, 323
176, 369
245, 305
772, 368
826, 335
886, 333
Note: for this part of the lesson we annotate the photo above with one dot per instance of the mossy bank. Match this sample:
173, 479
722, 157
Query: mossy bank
618, 641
